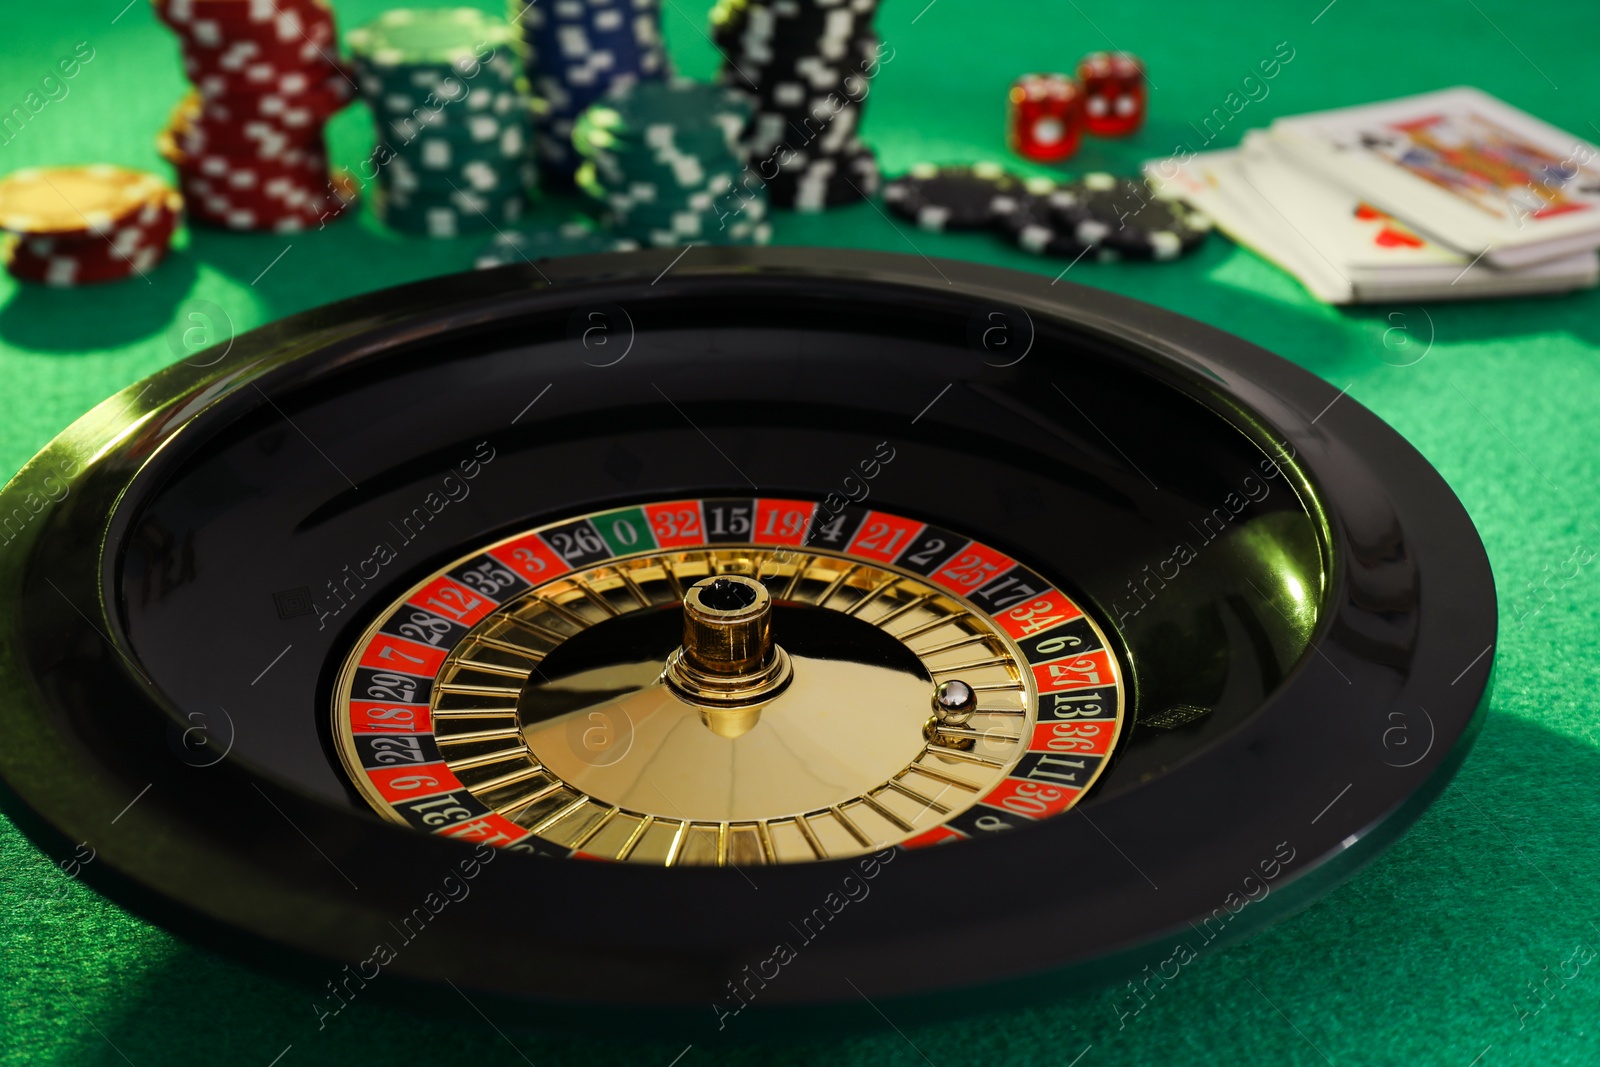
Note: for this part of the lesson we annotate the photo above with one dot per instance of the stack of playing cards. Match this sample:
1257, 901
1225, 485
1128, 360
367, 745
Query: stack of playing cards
1447, 195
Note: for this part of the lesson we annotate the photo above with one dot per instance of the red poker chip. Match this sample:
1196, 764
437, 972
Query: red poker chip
109, 249
63, 272
251, 142
248, 142
267, 191
155, 220
286, 72
232, 55
134, 246
321, 98
246, 218
250, 130
273, 19
255, 210
223, 124
226, 215
188, 11
227, 169
287, 111
246, 182
262, 78
198, 150
71, 267
222, 45
289, 49
266, 194
285, 24
224, 50
269, 150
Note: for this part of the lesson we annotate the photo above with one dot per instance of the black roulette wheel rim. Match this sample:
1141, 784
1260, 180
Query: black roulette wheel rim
1319, 771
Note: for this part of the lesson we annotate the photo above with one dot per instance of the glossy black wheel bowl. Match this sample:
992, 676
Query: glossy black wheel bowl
1304, 607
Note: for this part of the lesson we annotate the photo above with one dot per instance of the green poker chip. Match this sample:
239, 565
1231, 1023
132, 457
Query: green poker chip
446, 36
755, 234
663, 163
438, 84
409, 185
713, 209
483, 138
453, 119
455, 215
686, 173
635, 106
576, 238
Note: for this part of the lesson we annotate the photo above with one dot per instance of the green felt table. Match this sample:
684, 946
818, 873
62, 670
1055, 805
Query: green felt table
1445, 951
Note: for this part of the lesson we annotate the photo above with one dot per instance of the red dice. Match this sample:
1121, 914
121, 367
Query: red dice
1044, 119
1114, 96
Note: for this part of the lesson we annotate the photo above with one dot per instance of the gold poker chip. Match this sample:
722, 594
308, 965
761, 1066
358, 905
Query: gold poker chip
64, 200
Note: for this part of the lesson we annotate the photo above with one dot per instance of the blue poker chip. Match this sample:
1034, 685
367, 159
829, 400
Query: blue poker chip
576, 51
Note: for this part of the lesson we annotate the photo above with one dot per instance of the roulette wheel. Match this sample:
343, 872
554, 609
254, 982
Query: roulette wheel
764, 630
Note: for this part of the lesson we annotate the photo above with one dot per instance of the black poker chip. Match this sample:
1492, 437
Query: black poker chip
816, 183
806, 62
785, 129
1124, 215
1029, 219
953, 197
822, 68
786, 35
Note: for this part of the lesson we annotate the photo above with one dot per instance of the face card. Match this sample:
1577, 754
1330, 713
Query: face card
1348, 232
1484, 163
1485, 155
1341, 247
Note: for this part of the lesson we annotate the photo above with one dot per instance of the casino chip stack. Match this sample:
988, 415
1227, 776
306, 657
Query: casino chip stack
575, 52
80, 225
1101, 215
1120, 218
810, 64
1030, 219
248, 143
663, 162
953, 198
453, 126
